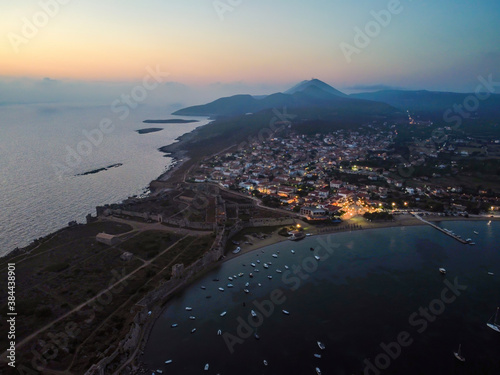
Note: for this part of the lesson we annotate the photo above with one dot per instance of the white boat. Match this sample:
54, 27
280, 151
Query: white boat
237, 250
490, 273
265, 265
240, 274
188, 308
489, 222
174, 325
286, 312
458, 354
320, 345
254, 314
230, 285
259, 284
265, 362
286, 267
316, 257
230, 278
292, 251
206, 367
250, 274
253, 264
192, 317
193, 330
269, 263
492, 323
317, 355
278, 270
318, 371
219, 332
221, 289
476, 232
159, 371
247, 284
246, 291
269, 277
223, 313
274, 255
256, 270
258, 260
442, 270
168, 361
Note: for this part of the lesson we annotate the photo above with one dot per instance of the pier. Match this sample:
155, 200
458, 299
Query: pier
452, 235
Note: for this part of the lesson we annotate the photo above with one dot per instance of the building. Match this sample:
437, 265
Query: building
313, 213
107, 239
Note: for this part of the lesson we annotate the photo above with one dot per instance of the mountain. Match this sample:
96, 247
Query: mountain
307, 94
315, 84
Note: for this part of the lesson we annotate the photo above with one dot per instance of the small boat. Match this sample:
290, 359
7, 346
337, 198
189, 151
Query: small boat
257, 337
246, 291
219, 332
223, 313
237, 250
286, 267
265, 362
240, 274
250, 274
203, 287
174, 325
316, 257
259, 284
188, 308
318, 371
317, 355
159, 371
492, 323
286, 312
193, 330
230, 278
234, 276
292, 251
230, 285
476, 232
490, 273
458, 354
275, 255
278, 270
254, 314
265, 265
253, 264
168, 361
247, 284
320, 345
442, 270
489, 223
269, 277
269, 263
206, 367
258, 260
472, 243
192, 317
221, 289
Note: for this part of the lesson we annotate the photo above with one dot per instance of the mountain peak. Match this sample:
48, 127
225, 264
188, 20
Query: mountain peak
317, 84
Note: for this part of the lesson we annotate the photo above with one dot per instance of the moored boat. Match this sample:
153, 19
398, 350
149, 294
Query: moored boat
442, 270
458, 354
320, 345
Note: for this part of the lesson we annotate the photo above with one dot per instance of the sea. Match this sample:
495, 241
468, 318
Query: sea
46, 151
375, 300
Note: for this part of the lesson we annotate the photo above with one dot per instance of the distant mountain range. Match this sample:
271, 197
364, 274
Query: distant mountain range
322, 101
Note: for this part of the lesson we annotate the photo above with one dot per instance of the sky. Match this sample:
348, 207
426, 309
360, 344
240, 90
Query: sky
54, 50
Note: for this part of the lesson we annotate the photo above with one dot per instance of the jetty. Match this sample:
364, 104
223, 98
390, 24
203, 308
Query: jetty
444, 230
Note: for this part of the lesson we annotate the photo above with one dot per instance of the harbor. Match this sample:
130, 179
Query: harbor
444, 230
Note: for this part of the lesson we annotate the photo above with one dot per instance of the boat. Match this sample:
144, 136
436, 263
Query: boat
258, 260
203, 287
278, 270
250, 274
265, 362
174, 325
286, 312
246, 290
259, 284
230, 285
317, 355
219, 332
489, 223
292, 251
221, 289
159, 371
192, 317
458, 354
492, 323
247, 284
316, 257
442, 270
253, 264
286, 267
269, 277
275, 255
168, 361
265, 265
188, 308
257, 337
254, 314
269, 263
490, 273
193, 330
256, 270
230, 278
206, 367
223, 313
320, 345
318, 371
476, 232
237, 250
240, 274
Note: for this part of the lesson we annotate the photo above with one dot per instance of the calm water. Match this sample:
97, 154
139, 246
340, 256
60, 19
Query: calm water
35, 201
367, 292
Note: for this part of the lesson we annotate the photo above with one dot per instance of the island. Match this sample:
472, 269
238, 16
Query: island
148, 130
170, 121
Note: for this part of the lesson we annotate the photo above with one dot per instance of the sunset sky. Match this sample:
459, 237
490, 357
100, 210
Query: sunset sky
259, 44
